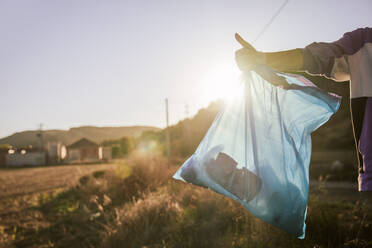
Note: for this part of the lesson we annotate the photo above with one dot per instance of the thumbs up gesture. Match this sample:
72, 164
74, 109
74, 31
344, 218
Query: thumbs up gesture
247, 58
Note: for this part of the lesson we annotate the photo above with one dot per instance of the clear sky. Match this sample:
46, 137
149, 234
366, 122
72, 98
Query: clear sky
112, 63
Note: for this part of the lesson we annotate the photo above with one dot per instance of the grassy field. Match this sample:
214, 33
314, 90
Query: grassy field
135, 203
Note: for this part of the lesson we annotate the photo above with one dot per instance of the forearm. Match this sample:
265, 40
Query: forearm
291, 60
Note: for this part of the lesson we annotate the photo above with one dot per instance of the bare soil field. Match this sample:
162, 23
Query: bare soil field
21, 189
26, 181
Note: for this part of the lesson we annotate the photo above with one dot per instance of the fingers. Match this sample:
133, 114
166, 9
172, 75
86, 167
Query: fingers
271, 77
243, 53
243, 42
247, 59
277, 81
280, 82
244, 58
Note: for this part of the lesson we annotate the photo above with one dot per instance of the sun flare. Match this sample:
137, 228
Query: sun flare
221, 82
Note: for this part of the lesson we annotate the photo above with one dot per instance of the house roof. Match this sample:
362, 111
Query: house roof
82, 143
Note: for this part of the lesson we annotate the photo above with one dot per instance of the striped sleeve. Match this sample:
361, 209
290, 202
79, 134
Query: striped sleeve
326, 59
333, 59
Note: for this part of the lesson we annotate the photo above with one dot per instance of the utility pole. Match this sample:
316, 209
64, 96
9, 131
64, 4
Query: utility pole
167, 135
40, 135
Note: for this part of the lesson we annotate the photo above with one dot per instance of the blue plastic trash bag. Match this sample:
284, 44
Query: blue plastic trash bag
258, 149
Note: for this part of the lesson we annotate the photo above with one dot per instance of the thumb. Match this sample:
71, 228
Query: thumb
243, 42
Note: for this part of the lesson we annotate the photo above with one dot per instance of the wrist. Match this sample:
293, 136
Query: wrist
261, 58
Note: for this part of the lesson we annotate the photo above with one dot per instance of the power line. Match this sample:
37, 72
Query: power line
271, 20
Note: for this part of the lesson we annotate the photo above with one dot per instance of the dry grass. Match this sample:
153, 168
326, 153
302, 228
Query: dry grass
137, 204
179, 215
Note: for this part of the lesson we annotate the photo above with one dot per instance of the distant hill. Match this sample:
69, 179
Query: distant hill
96, 134
336, 134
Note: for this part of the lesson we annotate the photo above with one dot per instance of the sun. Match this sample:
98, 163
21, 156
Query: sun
222, 81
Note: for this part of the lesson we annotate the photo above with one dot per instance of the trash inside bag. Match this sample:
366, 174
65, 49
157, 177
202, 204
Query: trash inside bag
257, 151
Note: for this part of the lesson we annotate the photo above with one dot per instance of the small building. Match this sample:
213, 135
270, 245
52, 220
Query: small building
106, 153
25, 156
56, 152
3, 155
83, 151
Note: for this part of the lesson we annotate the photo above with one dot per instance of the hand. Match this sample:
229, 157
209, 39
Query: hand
270, 76
247, 58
